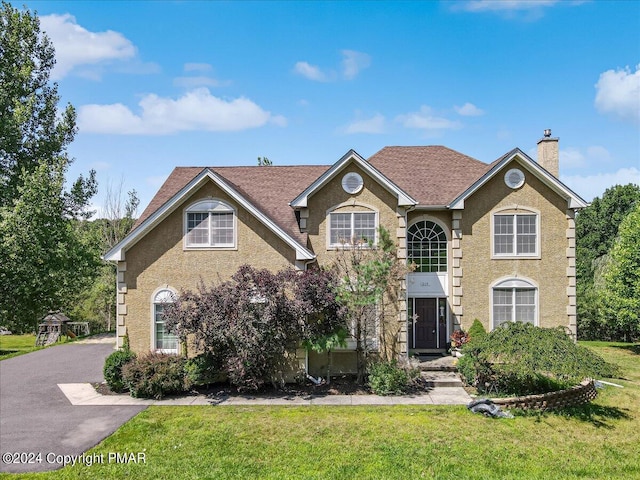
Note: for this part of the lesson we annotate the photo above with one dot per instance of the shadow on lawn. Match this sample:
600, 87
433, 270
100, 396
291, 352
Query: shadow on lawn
633, 348
597, 415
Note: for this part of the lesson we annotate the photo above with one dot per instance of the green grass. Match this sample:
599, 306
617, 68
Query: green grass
14, 345
599, 440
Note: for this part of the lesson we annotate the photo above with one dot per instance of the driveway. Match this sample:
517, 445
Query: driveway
36, 417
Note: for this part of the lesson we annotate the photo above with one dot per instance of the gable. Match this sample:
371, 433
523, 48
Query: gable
352, 157
518, 158
253, 185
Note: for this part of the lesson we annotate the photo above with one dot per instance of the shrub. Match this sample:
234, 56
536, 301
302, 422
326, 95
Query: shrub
521, 359
155, 375
477, 331
201, 370
459, 338
113, 365
388, 378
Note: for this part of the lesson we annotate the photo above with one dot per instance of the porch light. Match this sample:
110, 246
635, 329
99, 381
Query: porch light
441, 311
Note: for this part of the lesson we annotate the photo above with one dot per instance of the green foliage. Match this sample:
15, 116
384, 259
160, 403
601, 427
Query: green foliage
113, 366
203, 369
477, 331
388, 378
370, 277
44, 259
622, 280
155, 375
253, 323
596, 232
521, 359
264, 162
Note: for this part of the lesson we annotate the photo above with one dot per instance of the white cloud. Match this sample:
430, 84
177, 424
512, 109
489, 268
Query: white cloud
591, 186
309, 71
504, 5
618, 93
353, 62
425, 120
76, 46
374, 124
469, 110
195, 110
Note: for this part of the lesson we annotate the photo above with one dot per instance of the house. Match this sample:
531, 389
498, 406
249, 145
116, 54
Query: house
494, 241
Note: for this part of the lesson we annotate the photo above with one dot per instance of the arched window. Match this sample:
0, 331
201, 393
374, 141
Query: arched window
210, 223
163, 341
514, 300
427, 246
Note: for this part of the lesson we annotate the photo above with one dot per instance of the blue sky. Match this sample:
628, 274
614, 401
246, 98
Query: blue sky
176, 83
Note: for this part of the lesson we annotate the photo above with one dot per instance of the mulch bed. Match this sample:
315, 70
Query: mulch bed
340, 385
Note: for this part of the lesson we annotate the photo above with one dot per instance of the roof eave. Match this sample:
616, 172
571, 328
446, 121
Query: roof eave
574, 201
404, 199
117, 253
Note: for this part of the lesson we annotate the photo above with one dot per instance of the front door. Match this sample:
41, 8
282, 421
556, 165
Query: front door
426, 324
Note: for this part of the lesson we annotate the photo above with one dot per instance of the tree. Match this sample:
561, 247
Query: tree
253, 323
44, 260
596, 231
622, 280
370, 288
264, 162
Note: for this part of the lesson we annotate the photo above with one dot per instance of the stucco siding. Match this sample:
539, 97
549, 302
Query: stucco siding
160, 259
479, 270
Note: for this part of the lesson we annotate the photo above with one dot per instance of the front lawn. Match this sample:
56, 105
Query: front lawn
13, 345
596, 441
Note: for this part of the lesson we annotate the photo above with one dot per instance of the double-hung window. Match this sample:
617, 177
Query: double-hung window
163, 340
514, 300
515, 234
210, 223
352, 228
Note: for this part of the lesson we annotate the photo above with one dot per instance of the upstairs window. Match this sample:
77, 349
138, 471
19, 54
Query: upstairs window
515, 235
210, 223
352, 228
427, 247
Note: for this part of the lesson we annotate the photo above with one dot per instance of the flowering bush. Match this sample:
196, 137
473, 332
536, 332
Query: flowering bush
459, 338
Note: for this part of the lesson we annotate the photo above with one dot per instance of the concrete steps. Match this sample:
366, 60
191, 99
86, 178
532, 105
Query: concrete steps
441, 379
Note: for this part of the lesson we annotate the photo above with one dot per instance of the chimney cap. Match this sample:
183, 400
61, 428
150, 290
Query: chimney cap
547, 132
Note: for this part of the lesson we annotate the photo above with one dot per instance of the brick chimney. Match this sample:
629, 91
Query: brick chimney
548, 156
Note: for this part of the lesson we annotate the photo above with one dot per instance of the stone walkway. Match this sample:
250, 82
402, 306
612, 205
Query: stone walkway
85, 394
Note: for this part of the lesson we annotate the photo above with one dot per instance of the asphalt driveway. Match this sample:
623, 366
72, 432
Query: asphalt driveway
36, 417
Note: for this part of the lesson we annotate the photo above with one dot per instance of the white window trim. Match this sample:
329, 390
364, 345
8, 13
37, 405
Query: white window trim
515, 283
446, 235
354, 208
515, 211
207, 206
155, 300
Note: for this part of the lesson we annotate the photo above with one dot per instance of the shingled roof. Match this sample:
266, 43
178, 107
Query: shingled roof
268, 188
433, 175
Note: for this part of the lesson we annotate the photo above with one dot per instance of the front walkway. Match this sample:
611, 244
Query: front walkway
85, 394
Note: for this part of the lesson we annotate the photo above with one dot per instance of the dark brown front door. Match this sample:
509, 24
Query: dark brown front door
426, 328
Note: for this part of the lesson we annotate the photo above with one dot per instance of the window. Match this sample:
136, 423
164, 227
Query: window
352, 228
163, 341
515, 234
210, 223
427, 247
514, 301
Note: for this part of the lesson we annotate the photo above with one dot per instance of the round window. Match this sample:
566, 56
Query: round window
352, 183
514, 178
